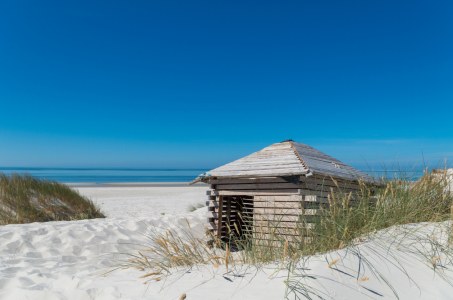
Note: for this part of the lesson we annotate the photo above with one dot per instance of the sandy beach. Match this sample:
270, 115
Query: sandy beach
143, 199
72, 259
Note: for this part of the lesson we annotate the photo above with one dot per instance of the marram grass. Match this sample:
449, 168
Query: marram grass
342, 223
26, 199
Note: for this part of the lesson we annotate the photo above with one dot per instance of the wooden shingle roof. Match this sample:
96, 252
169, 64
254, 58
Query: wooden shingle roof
286, 159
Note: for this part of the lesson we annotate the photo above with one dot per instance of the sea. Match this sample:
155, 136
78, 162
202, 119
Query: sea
95, 175
124, 175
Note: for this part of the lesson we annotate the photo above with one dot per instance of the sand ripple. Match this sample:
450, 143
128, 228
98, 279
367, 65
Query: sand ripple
62, 260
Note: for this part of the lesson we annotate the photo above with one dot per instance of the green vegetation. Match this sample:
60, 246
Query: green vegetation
194, 207
26, 199
345, 222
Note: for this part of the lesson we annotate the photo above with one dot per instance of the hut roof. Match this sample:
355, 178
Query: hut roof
285, 159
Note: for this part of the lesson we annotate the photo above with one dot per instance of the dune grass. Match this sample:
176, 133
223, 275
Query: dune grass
344, 223
194, 207
26, 199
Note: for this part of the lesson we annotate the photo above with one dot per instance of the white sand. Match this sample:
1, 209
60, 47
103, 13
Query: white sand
66, 260
144, 201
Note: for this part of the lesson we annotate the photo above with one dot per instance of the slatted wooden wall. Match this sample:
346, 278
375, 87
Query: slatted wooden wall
271, 199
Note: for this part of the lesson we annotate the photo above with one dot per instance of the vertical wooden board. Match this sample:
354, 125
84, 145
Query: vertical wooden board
220, 225
228, 212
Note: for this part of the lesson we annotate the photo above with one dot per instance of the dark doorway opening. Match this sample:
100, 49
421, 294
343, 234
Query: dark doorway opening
238, 225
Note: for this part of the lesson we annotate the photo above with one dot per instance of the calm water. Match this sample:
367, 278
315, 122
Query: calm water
125, 175
110, 175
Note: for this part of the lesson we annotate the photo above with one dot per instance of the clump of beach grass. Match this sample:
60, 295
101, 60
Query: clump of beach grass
347, 221
194, 207
26, 199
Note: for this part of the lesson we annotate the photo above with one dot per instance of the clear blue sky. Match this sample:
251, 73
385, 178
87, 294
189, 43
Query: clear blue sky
200, 83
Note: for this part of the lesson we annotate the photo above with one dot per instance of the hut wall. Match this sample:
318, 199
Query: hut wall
252, 202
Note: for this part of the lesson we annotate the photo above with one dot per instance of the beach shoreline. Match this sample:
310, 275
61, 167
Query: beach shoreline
133, 184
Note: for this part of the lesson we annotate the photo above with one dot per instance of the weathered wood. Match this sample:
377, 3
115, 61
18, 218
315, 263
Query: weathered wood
248, 175
284, 198
216, 214
258, 167
285, 159
267, 160
289, 205
323, 181
327, 181
281, 211
281, 224
223, 219
279, 192
219, 230
247, 180
280, 243
254, 193
285, 218
265, 157
212, 203
260, 173
228, 209
278, 235
276, 186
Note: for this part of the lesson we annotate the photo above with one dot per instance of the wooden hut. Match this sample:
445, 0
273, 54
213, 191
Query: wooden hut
280, 183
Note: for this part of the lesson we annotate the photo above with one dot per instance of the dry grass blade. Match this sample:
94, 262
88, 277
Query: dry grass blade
363, 279
346, 218
226, 258
150, 274
333, 262
433, 261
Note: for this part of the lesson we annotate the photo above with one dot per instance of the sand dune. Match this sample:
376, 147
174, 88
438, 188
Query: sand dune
69, 260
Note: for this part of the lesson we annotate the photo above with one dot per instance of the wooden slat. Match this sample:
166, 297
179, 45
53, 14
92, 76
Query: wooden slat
289, 205
247, 180
285, 218
266, 173
284, 235
254, 193
268, 161
277, 211
258, 166
284, 172
219, 230
276, 186
257, 186
224, 220
280, 198
321, 162
228, 208
266, 156
215, 214
282, 224
326, 181
278, 244
281, 192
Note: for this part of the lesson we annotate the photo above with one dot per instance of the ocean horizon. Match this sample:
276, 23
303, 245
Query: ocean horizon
108, 175
119, 175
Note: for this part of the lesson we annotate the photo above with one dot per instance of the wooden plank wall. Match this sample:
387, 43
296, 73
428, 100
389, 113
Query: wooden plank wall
271, 200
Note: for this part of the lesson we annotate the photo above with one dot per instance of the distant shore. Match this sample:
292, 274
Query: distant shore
133, 184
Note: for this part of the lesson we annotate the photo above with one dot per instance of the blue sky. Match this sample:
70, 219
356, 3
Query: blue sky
200, 83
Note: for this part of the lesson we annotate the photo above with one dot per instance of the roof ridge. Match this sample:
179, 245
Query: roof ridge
298, 155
